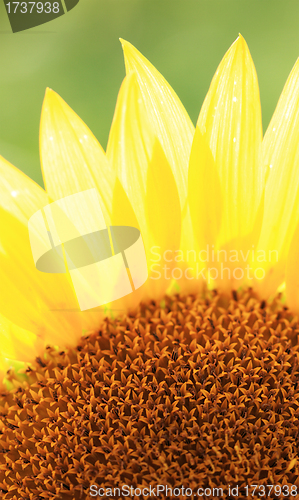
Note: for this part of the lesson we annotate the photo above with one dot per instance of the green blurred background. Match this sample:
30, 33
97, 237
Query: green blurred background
80, 57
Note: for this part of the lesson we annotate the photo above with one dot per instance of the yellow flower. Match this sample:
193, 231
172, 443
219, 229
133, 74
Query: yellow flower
220, 189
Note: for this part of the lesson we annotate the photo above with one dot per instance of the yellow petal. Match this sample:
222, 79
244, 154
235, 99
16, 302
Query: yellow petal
3, 369
230, 125
144, 172
129, 147
27, 296
166, 115
17, 343
292, 273
173, 129
73, 161
20, 195
71, 157
280, 154
204, 192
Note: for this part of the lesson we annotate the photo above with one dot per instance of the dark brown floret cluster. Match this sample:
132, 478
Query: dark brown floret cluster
200, 392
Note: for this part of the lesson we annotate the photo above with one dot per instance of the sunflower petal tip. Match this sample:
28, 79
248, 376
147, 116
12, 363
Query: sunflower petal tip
130, 52
47, 98
49, 92
126, 46
239, 46
53, 99
242, 42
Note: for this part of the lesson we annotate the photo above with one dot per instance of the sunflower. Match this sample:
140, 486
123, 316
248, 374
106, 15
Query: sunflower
193, 377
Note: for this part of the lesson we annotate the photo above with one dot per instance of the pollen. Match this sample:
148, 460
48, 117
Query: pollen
195, 390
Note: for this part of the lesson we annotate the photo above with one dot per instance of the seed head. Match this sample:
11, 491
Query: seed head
196, 391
